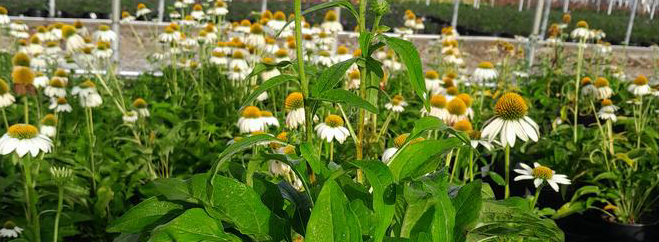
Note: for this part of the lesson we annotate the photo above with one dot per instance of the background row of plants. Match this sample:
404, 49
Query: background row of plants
504, 21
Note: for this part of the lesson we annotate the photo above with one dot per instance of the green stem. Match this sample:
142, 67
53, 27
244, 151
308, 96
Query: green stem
471, 164
609, 127
299, 53
60, 200
90, 132
577, 82
331, 151
507, 169
384, 126
4, 117
26, 109
32, 198
537, 195
455, 164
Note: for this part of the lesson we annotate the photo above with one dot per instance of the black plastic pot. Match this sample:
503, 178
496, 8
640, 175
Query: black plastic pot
590, 226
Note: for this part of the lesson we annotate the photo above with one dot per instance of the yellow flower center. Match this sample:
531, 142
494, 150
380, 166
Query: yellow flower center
68, 31
140, 6
456, 107
289, 150
463, 125
465, 98
266, 113
139, 103
268, 60
606, 102
342, 50
510, 106
22, 131
333, 120
542, 172
451, 75
294, 101
280, 16
4, 87
174, 26
582, 24
245, 23
125, 14
21, 59
641, 80
61, 101
586, 81
330, 16
601, 82
452, 90
51, 44
432, 74
399, 141
448, 82
197, 7
35, 40
237, 55
104, 28
357, 53
220, 4
438, 101
354, 74
49, 120
22, 75
474, 134
87, 84
269, 40
567, 18
324, 53
256, 29
266, 14
3, 10
251, 112
486, 65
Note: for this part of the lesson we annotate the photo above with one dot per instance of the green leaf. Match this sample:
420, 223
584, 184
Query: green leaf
585, 190
467, 205
374, 66
193, 225
311, 155
410, 57
443, 222
433, 123
420, 158
384, 193
172, 188
270, 83
569, 209
331, 76
347, 97
496, 178
145, 216
344, 4
241, 206
606, 175
332, 219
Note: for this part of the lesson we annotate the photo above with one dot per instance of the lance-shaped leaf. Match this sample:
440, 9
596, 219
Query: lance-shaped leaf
270, 83
410, 57
332, 219
384, 193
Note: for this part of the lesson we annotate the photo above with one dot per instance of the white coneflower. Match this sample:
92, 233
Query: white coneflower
142, 10
278, 168
437, 107
187, 21
603, 89
203, 37
169, 36
270, 71
189, 44
451, 91
323, 58
141, 106
282, 55
353, 80
126, 17
598, 34
399, 141
468, 102
197, 12
238, 60
391, 63
608, 111
476, 140
55, 88
255, 37
251, 121
539, 174
52, 49
271, 46
581, 32
269, 119
9, 229
102, 51
219, 58
342, 54
510, 121
188, 2
419, 24
56, 31
433, 83
61, 75
397, 104
174, 15
403, 32
48, 125
485, 72
244, 26
220, 8
74, 42
295, 104
331, 23
105, 34
604, 48
60, 105
237, 74
179, 4
4, 18
40, 80
332, 129
43, 34
451, 58
23, 139
457, 111
39, 62
277, 23
6, 98
34, 48
130, 117
587, 88
410, 19
640, 86
88, 95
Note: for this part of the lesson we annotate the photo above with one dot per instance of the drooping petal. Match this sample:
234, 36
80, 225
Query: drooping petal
523, 177
553, 185
537, 182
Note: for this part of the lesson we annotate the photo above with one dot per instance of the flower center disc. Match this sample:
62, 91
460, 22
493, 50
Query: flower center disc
457, 107
22, 131
334, 120
510, 106
641, 80
542, 172
251, 112
399, 141
294, 101
438, 101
